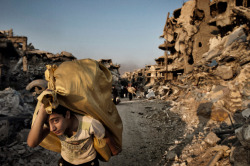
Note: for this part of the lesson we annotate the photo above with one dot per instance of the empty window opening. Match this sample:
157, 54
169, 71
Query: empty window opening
190, 59
172, 50
239, 2
199, 14
177, 13
177, 72
170, 61
213, 10
222, 7
200, 44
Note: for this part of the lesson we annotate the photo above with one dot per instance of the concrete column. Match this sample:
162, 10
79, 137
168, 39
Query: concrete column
25, 64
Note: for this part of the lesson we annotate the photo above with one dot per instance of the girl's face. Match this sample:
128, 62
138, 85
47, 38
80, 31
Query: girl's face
58, 123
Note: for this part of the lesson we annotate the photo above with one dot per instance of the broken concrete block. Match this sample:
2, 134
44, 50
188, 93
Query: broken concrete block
4, 129
205, 109
243, 135
23, 135
171, 155
213, 42
212, 139
237, 34
246, 113
215, 96
211, 54
225, 72
150, 94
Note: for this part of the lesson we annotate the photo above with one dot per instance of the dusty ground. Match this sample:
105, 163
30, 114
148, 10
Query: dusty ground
146, 134
153, 135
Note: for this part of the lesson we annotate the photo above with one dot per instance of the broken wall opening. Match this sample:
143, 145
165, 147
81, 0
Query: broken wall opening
172, 50
190, 59
170, 61
222, 7
239, 3
224, 30
198, 15
177, 13
176, 73
213, 10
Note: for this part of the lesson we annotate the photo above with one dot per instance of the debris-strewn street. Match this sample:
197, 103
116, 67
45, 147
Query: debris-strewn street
155, 133
191, 108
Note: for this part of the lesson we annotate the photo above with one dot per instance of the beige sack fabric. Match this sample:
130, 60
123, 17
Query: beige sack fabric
83, 86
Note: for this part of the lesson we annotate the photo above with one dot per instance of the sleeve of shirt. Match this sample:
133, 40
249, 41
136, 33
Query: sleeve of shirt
97, 129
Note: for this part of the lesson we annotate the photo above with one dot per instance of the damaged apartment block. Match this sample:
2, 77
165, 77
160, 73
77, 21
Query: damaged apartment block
190, 31
21, 63
205, 70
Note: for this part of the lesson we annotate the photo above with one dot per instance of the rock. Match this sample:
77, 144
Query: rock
205, 109
243, 134
23, 135
151, 94
239, 156
218, 113
246, 113
225, 72
171, 155
4, 129
211, 139
215, 96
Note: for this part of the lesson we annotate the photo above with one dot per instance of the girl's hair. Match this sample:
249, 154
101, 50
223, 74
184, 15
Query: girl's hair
61, 110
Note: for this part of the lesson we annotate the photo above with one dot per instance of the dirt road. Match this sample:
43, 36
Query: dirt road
149, 131
145, 133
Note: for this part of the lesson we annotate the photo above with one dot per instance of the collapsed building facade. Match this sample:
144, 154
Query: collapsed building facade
21, 63
22, 79
195, 29
205, 72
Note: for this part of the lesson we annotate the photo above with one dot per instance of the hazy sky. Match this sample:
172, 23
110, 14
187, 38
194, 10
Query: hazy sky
126, 31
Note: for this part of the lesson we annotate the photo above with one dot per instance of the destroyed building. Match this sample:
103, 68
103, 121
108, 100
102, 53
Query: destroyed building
193, 32
114, 69
194, 29
21, 63
206, 71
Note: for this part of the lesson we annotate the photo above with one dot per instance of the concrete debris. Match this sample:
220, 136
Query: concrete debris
151, 94
21, 63
211, 139
206, 70
22, 79
246, 113
203, 78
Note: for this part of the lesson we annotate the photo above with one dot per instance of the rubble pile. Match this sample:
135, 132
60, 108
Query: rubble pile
22, 79
205, 73
16, 111
21, 63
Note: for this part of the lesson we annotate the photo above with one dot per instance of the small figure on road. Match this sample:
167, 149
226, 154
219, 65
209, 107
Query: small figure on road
125, 92
131, 92
115, 94
75, 132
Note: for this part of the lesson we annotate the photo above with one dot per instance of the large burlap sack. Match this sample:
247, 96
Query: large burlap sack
83, 86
